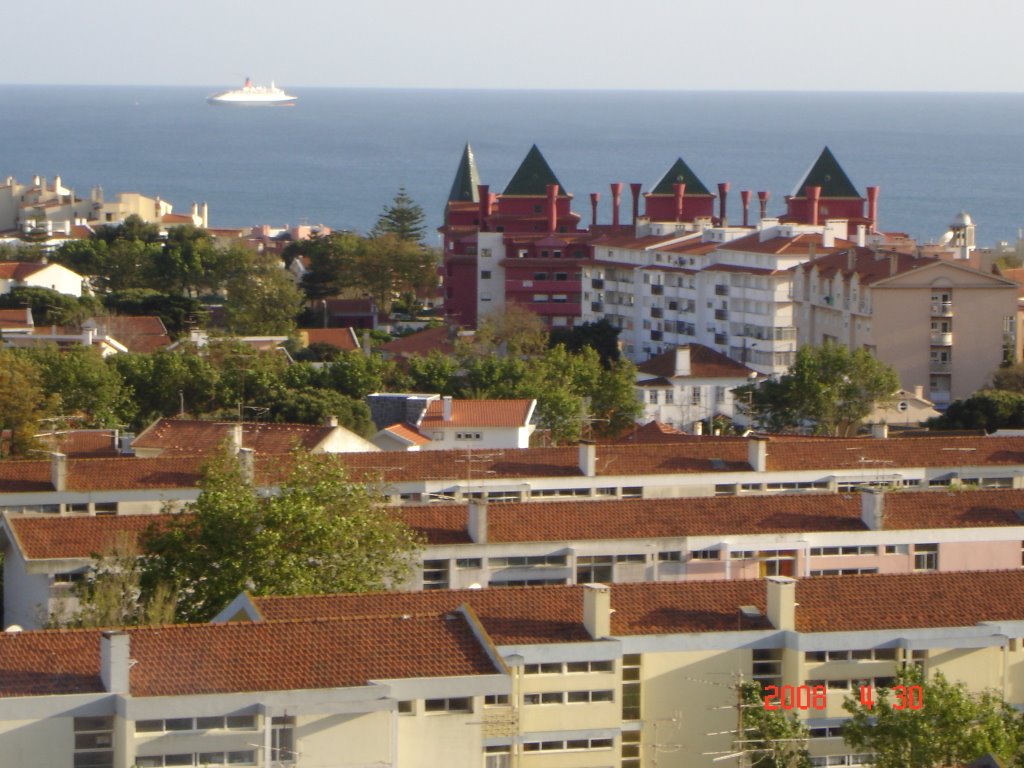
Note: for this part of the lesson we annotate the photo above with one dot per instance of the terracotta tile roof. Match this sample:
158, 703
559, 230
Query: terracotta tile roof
705, 363
47, 663
738, 269
339, 338
867, 264
957, 509
407, 432
423, 342
799, 245
188, 436
52, 537
84, 443
630, 241
478, 413
125, 473
140, 334
19, 270
831, 604
176, 218
652, 432
16, 318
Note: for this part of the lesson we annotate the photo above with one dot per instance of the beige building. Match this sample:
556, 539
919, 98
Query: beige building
630, 676
942, 325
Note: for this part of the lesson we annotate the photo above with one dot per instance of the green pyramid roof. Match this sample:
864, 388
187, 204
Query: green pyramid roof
533, 176
464, 188
829, 175
680, 173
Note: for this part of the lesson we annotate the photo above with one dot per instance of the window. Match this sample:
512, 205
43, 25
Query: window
94, 742
674, 556
468, 435
741, 554
897, 549
631, 686
282, 740
707, 554
669, 397
549, 668
528, 561
485, 274
406, 707
485, 252
435, 574
469, 562
461, 704
926, 557
590, 666
828, 551
767, 665
496, 700
594, 568
567, 745
631, 749
652, 396
498, 757
695, 396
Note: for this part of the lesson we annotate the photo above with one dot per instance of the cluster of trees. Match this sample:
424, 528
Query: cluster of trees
321, 533
950, 726
828, 389
998, 406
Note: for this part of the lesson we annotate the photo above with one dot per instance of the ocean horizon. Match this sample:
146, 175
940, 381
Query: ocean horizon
340, 155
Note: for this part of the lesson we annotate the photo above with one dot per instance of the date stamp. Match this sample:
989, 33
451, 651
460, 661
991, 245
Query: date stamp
816, 697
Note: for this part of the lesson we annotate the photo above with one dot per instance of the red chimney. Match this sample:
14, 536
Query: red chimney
616, 201
635, 189
762, 199
552, 208
873, 208
813, 199
723, 194
484, 191
680, 190
745, 200
595, 198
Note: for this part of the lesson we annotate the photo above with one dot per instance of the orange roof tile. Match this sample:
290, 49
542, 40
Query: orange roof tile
423, 342
53, 538
407, 432
705, 363
797, 245
188, 436
55, 662
478, 413
19, 270
16, 318
339, 338
870, 266
140, 334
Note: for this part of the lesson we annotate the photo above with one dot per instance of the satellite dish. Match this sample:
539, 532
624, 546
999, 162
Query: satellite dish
474, 585
14, 629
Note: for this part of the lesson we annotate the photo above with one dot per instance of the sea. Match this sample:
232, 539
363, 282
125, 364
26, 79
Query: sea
340, 155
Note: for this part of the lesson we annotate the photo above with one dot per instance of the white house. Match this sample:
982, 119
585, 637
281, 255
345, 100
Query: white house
434, 423
16, 274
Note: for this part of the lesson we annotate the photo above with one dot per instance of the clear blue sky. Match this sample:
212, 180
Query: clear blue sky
902, 45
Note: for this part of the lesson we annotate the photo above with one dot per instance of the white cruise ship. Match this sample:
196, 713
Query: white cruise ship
250, 95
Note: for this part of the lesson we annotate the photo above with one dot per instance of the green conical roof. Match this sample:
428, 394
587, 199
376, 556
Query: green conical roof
680, 173
464, 188
533, 176
829, 175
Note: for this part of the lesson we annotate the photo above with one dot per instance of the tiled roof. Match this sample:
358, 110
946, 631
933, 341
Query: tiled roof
189, 437
652, 432
829, 604
478, 413
16, 318
103, 474
407, 432
52, 538
339, 338
239, 657
423, 342
84, 443
140, 334
19, 270
705, 363
798, 245
867, 264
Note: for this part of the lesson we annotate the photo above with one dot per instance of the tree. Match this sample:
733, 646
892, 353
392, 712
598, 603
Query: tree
1010, 378
827, 388
776, 738
403, 218
321, 533
334, 263
23, 404
111, 596
951, 727
85, 387
262, 299
601, 335
516, 331
989, 409
50, 307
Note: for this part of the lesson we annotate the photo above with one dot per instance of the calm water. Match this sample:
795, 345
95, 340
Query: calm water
340, 155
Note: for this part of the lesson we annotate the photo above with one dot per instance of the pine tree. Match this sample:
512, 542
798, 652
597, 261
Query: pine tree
403, 218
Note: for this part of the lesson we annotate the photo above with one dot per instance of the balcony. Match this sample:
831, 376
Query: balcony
657, 312
542, 286
597, 306
938, 366
942, 339
657, 290
559, 308
939, 396
597, 283
942, 308
721, 290
721, 314
656, 336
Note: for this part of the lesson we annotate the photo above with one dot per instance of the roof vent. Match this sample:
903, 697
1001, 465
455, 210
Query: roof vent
750, 612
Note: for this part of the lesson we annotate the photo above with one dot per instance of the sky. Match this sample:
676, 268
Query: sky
782, 45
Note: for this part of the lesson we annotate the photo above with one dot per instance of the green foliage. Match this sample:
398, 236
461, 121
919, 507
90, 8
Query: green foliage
403, 219
187, 264
262, 299
434, 373
83, 386
320, 534
161, 380
953, 727
1010, 378
601, 335
23, 403
134, 227
776, 739
50, 307
356, 375
989, 409
827, 387
313, 406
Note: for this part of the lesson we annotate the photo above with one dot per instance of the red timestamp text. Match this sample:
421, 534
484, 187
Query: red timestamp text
815, 697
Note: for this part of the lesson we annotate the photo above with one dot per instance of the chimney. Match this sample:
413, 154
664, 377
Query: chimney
828, 236
446, 408
762, 200
723, 195
757, 453
679, 190
115, 661
880, 431
234, 438
698, 428
331, 421
588, 458
682, 367
872, 508
247, 465
476, 522
484, 192
195, 208
552, 201
635, 189
813, 201
204, 214
873, 208
59, 471
597, 610
919, 391
745, 201
616, 201
781, 602
595, 198
862, 235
